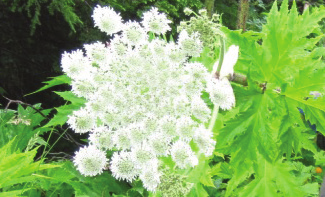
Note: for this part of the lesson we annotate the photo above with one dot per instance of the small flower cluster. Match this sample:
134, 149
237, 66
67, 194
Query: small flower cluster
143, 99
209, 29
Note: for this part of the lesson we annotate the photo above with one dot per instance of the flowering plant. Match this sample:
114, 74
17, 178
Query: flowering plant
143, 99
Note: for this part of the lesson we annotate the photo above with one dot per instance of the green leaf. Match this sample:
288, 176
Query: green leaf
273, 179
69, 96
59, 80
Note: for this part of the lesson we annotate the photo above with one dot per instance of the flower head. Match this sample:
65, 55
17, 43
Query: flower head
134, 34
150, 177
107, 20
221, 93
190, 44
183, 155
101, 137
155, 22
123, 166
81, 121
90, 161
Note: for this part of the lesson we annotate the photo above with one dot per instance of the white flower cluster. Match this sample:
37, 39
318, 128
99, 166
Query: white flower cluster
143, 99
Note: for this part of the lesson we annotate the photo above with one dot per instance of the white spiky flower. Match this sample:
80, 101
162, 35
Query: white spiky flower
190, 44
101, 137
203, 139
118, 45
123, 166
167, 126
122, 139
160, 144
150, 178
134, 34
143, 155
76, 65
81, 121
155, 22
107, 20
183, 155
185, 128
97, 52
200, 110
221, 93
90, 161
84, 88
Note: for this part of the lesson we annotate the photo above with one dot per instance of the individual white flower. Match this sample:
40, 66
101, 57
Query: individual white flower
197, 70
185, 128
182, 155
160, 144
188, 11
155, 22
81, 121
118, 45
203, 139
90, 161
101, 137
134, 34
143, 155
158, 47
137, 133
228, 63
110, 117
76, 65
97, 52
190, 44
175, 54
107, 20
150, 177
181, 105
96, 106
167, 126
200, 110
121, 139
123, 166
151, 121
84, 88
221, 93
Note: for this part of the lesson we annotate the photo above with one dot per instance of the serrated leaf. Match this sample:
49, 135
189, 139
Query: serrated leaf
273, 179
59, 80
69, 96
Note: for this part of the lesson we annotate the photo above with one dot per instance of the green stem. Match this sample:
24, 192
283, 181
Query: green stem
214, 117
216, 107
222, 53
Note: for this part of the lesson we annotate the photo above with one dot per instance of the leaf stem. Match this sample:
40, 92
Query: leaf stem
216, 107
214, 117
222, 54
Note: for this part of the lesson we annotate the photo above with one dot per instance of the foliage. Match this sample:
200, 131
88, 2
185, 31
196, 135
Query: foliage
282, 72
17, 169
67, 181
23, 123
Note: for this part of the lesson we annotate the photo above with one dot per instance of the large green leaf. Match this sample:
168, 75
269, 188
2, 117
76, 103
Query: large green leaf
273, 179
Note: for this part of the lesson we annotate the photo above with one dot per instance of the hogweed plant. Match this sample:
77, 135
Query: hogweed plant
143, 99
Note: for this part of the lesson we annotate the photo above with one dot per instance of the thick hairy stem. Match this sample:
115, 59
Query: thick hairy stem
209, 4
236, 78
242, 15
